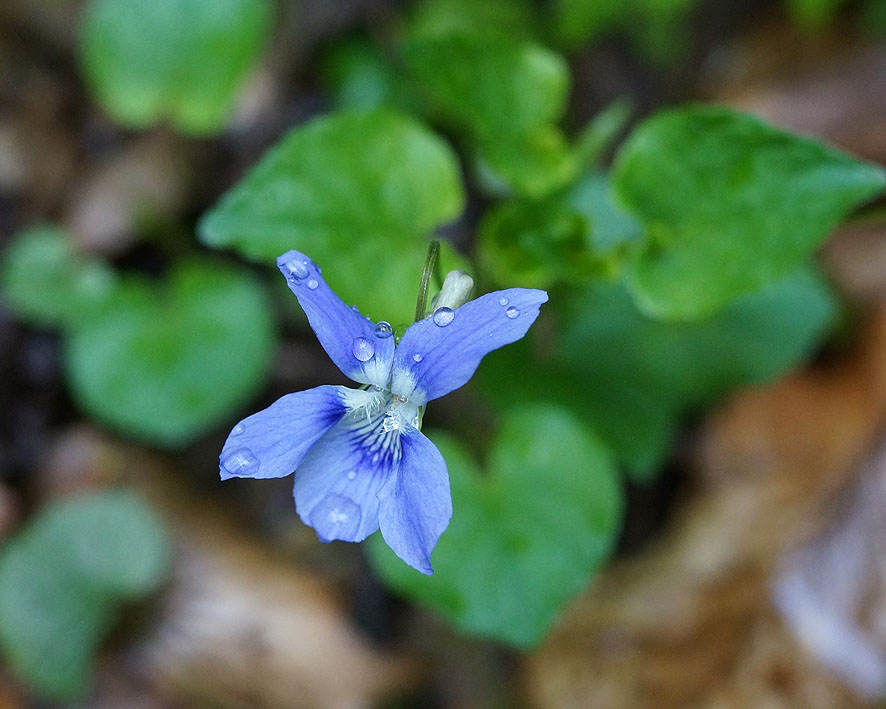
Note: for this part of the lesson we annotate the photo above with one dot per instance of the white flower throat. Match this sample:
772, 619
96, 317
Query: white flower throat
399, 412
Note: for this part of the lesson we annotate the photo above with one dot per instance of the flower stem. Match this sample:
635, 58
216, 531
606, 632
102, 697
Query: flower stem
430, 268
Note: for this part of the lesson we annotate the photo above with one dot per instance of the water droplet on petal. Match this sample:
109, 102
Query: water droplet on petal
352, 475
402, 399
238, 430
297, 270
417, 357
443, 316
312, 284
502, 301
363, 349
240, 463
336, 517
355, 308
512, 312
383, 330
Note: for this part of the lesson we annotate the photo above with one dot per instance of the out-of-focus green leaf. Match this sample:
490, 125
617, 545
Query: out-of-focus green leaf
728, 204
167, 364
601, 132
63, 578
508, 94
359, 192
491, 84
611, 227
46, 283
177, 60
361, 77
648, 22
814, 13
632, 377
575, 22
515, 19
569, 236
535, 163
534, 244
526, 534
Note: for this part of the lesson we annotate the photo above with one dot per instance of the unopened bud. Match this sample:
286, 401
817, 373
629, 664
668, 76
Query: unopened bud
456, 291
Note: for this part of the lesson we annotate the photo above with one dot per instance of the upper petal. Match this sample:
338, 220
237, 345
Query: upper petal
336, 486
439, 354
271, 443
362, 350
416, 504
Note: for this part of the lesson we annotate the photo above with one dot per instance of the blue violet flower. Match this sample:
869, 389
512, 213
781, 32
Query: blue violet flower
360, 460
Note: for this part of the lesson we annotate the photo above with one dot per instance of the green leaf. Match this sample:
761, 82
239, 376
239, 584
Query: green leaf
113, 542
656, 27
601, 131
361, 77
568, 236
728, 204
576, 22
814, 13
491, 83
533, 164
621, 356
47, 284
506, 18
168, 364
177, 60
508, 94
534, 244
63, 578
632, 377
360, 193
526, 534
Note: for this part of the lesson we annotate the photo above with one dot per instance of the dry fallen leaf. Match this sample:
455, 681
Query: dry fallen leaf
690, 621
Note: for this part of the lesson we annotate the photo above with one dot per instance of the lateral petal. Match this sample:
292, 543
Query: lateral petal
336, 486
362, 350
441, 353
272, 442
416, 504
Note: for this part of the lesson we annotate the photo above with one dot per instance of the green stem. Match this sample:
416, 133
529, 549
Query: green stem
431, 268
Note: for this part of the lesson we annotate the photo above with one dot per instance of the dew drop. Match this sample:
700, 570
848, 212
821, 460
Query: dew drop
417, 357
336, 517
363, 349
238, 430
240, 463
402, 399
312, 284
383, 330
443, 316
502, 301
512, 312
352, 475
297, 270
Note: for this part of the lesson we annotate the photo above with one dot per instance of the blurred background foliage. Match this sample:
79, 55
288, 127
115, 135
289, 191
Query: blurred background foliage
677, 240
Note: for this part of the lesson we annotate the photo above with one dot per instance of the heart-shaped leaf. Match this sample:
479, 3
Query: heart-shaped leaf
633, 377
358, 191
507, 93
167, 364
728, 204
47, 283
178, 60
526, 533
63, 577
